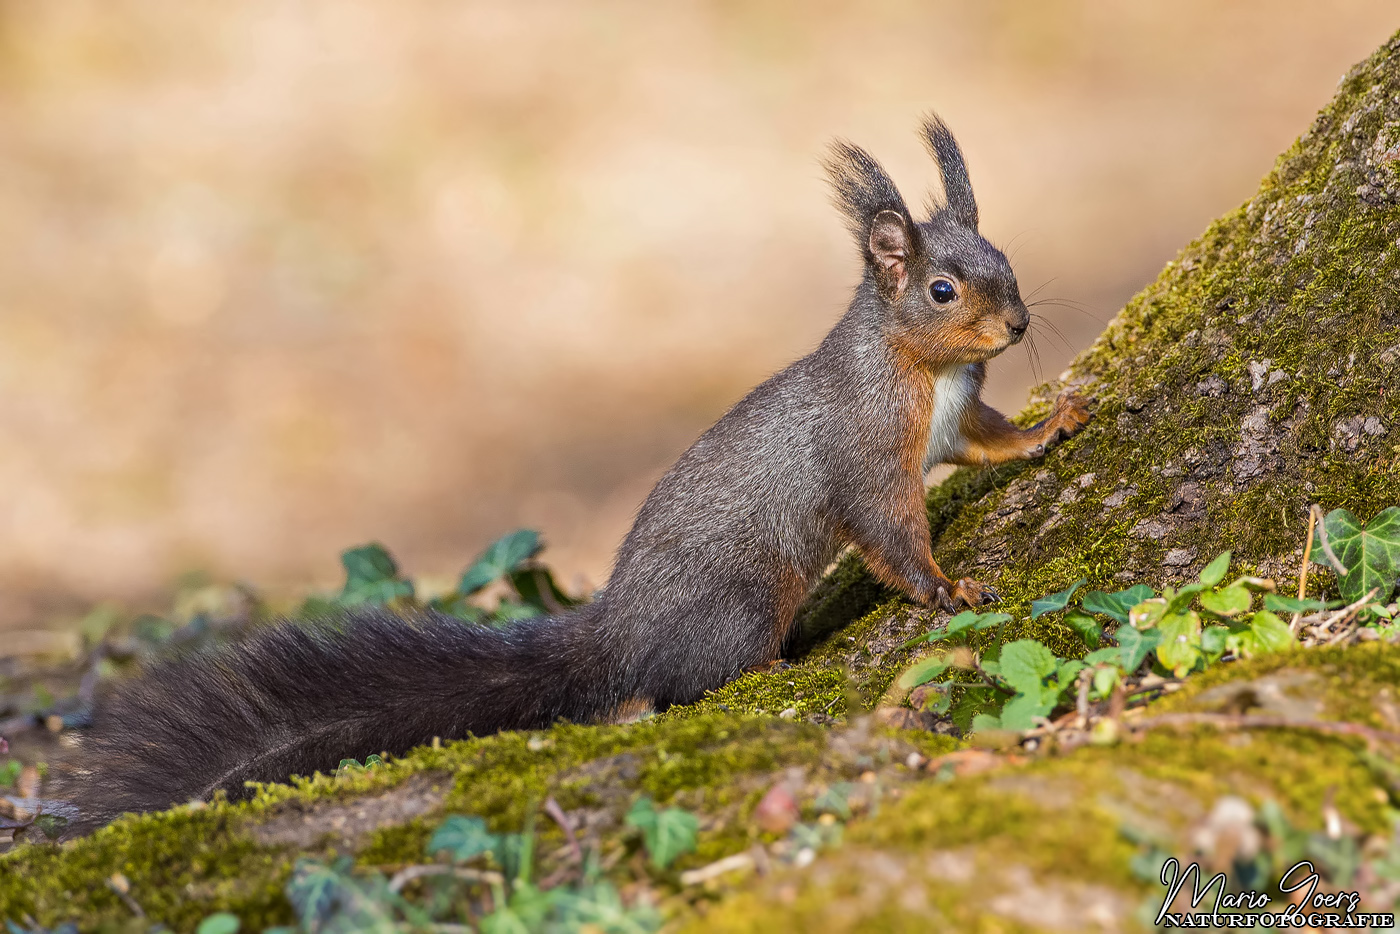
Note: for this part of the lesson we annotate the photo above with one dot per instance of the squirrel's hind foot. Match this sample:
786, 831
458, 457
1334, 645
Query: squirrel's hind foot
966, 592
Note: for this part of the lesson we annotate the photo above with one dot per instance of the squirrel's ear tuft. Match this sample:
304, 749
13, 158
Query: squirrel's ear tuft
959, 201
862, 191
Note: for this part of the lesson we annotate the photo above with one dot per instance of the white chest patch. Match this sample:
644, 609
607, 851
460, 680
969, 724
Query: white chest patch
953, 391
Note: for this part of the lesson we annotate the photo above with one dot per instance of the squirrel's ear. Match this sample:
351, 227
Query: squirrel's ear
891, 240
957, 188
865, 194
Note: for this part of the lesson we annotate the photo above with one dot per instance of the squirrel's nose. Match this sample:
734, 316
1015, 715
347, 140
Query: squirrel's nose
1017, 330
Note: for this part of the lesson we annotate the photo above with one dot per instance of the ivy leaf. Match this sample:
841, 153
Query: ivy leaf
1106, 656
371, 576
1179, 600
219, 923
1228, 601
923, 672
1181, 642
1134, 644
1370, 553
316, 890
1270, 633
666, 834
1214, 572
1214, 641
503, 556
1116, 605
1088, 628
1147, 614
964, 620
988, 620
1025, 664
986, 721
1279, 603
537, 588
1104, 680
1021, 711
1056, 601
1064, 675
463, 838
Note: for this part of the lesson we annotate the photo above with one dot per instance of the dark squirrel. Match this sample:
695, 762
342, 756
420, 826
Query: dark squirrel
830, 452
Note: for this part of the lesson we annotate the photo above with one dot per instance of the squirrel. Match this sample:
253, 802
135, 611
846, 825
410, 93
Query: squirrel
830, 452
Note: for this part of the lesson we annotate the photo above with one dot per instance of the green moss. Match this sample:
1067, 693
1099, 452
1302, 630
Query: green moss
185, 863
1061, 821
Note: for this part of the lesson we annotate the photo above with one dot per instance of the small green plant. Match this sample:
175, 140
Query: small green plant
220, 923
335, 898
667, 834
350, 766
1365, 557
373, 578
1178, 631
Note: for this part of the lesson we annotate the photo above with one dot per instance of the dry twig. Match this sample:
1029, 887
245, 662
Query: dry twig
1313, 510
406, 876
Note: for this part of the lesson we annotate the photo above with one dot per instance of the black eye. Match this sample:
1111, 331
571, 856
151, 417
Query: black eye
942, 291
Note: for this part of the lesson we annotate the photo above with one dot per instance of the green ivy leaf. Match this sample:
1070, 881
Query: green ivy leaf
1279, 603
988, 620
1056, 601
537, 588
1064, 675
1214, 641
1271, 634
317, 890
964, 620
666, 834
1110, 655
463, 838
1104, 680
503, 556
1088, 628
371, 576
1025, 664
1148, 613
1021, 711
986, 721
1181, 642
923, 672
1370, 553
1214, 572
1180, 600
1135, 644
219, 923
1228, 601
1116, 605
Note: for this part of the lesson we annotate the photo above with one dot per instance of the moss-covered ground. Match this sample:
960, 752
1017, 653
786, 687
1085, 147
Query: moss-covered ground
926, 842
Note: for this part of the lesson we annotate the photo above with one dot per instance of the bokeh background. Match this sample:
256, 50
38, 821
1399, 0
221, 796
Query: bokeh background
280, 277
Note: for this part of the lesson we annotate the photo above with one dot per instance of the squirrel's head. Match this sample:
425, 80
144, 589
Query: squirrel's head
946, 295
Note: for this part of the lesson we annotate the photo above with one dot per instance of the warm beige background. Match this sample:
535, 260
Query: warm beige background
279, 277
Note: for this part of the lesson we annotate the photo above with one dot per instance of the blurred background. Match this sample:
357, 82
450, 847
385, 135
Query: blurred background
279, 277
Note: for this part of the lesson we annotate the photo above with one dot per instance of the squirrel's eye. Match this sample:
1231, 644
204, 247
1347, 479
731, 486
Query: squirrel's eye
942, 291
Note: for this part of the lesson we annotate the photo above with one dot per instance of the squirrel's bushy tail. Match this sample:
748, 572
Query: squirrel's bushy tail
297, 698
